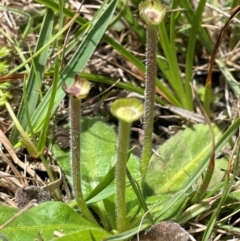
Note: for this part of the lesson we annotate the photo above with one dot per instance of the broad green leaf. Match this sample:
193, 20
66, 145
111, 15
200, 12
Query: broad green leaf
45, 219
177, 159
221, 141
98, 153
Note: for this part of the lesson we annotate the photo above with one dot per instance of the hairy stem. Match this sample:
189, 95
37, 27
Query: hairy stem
75, 115
149, 96
122, 156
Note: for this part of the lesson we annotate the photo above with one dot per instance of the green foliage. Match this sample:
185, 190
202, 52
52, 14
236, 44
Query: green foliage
5, 94
173, 175
177, 159
36, 73
98, 157
47, 219
4, 51
85, 49
4, 87
96, 29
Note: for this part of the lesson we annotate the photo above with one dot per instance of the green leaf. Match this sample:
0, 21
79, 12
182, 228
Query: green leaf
84, 235
45, 219
3, 67
222, 140
219, 171
177, 159
128, 234
4, 51
98, 153
36, 74
157, 202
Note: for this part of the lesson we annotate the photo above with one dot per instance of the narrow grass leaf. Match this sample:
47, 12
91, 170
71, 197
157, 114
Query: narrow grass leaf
40, 63
225, 192
174, 80
78, 61
196, 23
128, 234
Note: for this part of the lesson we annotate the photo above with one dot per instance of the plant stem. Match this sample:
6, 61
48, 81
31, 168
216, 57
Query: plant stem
75, 115
122, 156
26, 141
50, 175
149, 96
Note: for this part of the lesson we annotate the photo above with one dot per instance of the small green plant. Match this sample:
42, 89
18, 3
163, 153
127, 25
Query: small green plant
116, 193
26, 141
76, 92
5, 95
4, 51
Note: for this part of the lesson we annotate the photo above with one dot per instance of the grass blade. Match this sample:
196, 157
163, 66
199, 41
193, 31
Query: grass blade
39, 63
83, 53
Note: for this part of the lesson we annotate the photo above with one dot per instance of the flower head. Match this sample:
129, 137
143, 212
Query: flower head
79, 89
152, 11
128, 110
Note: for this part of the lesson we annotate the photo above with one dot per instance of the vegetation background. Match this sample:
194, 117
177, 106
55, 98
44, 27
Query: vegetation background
193, 174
